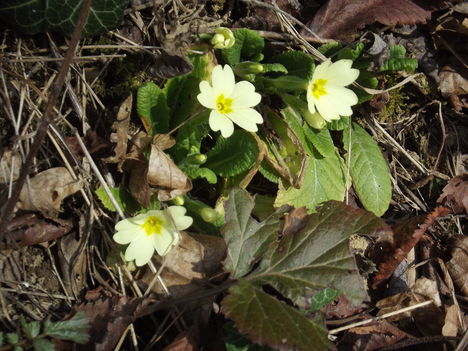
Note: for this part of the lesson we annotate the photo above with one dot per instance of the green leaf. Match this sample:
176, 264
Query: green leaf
246, 239
268, 172
266, 320
297, 63
199, 225
294, 121
233, 155
43, 345
190, 136
318, 256
152, 108
75, 329
12, 338
182, 91
195, 171
235, 341
32, 329
339, 124
351, 52
397, 60
34, 16
328, 49
323, 180
274, 67
1, 338
321, 139
369, 170
248, 45
322, 298
123, 197
367, 80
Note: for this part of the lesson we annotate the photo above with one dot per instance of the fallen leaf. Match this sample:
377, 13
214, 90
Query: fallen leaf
188, 340
10, 164
120, 134
458, 265
371, 337
30, 229
340, 19
454, 86
91, 140
295, 220
455, 194
187, 267
138, 185
388, 253
340, 309
163, 174
46, 190
452, 322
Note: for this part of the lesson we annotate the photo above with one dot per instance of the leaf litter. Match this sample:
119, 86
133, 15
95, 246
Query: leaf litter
266, 265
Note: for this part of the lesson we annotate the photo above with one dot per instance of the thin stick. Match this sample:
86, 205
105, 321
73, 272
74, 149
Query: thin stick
378, 318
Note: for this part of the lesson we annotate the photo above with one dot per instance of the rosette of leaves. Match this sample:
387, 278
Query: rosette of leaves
36, 16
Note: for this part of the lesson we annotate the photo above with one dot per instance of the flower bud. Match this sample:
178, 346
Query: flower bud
198, 159
244, 68
223, 39
209, 215
315, 120
289, 83
178, 200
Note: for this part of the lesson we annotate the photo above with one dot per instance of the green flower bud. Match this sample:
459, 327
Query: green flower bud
244, 68
289, 83
209, 215
223, 38
178, 200
198, 159
315, 120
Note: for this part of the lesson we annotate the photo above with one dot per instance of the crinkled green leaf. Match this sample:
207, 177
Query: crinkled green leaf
247, 46
31, 329
268, 321
351, 52
318, 256
268, 172
196, 171
233, 155
75, 329
246, 239
34, 16
297, 63
182, 91
397, 60
367, 80
322, 298
369, 170
323, 180
123, 197
328, 49
43, 345
338, 124
190, 136
295, 122
321, 139
274, 67
1, 338
12, 338
152, 108
235, 341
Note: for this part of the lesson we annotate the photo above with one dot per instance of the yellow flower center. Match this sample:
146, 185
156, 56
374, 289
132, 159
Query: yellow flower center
152, 225
224, 104
318, 88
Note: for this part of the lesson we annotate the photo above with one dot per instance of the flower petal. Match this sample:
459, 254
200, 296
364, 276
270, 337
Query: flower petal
165, 241
206, 97
140, 250
223, 80
310, 99
178, 216
125, 236
340, 73
218, 121
326, 106
244, 95
344, 99
321, 70
246, 118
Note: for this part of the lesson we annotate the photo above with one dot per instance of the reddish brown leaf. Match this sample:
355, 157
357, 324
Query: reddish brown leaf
455, 194
93, 142
294, 221
388, 255
188, 340
458, 265
340, 19
341, 309
371, 337
29, 229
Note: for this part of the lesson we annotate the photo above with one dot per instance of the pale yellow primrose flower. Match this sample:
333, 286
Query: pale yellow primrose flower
229, 102
326, 92
154, 230
223, 39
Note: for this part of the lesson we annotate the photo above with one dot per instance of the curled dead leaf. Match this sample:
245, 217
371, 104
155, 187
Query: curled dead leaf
10, 164
454, 86
30, 229
188, 266
458, 265
46, 191
455, 194
163, 174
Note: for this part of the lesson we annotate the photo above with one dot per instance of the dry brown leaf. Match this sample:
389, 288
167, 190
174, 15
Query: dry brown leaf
294, 221
452, 322
46, 190
188, 340
120, 134
10, 164
138, 185
458, 265
454, 85
371, 337
163, 174
29, 229
93, 142
340, 19
189, 264
455, 194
